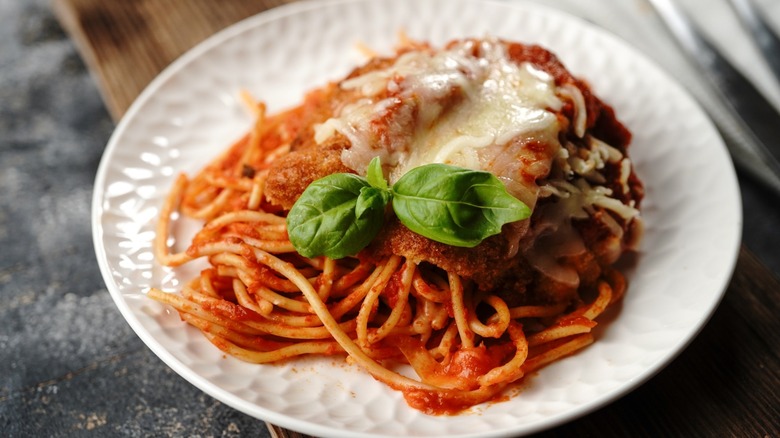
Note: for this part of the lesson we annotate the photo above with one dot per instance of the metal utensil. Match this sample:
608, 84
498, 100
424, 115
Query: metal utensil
756, 116
766, 39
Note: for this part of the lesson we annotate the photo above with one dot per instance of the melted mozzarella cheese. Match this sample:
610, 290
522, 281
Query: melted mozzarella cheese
446, 107
488, 113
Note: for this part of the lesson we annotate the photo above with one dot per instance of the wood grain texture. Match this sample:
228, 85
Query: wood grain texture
127, 43
726, 383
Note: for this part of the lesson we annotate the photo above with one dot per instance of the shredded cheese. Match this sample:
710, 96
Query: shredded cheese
484, 111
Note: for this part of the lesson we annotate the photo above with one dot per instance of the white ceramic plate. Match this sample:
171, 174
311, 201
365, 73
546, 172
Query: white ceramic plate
191, 111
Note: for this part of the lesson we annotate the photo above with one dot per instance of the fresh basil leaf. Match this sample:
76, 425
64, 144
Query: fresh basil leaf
340, 214
375, 176
324, 220
453, 205
371, 199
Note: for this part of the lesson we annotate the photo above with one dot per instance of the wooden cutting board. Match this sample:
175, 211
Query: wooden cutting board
126, 43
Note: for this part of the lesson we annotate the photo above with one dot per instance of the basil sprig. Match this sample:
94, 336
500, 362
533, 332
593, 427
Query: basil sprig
340, 214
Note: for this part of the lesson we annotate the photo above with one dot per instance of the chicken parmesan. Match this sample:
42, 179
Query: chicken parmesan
307, 256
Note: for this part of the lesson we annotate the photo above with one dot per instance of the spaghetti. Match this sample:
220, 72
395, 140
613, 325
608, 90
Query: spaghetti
469, 321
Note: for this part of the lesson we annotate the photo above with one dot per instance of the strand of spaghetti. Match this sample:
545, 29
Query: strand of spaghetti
246, 274
183, 305
512, 370
446, 343
498, 322
325, 280
257, 304
224, 246
300, 349
258, 187
258, 272
243, 216
371, 301
294, 320
171, 204
318, 263
309, 272
229, 182
562, 329
401, 327
422, 323
250, 102
437, 314
255, 137
406, 314
207, 283
442, 282
601, 302
255, 343
566, 348
424, 290
399, 330
225, 170
227, 271
266, 307
198, 194
357, 274
267, 277
364, 50
459, 310
259, 231
213, 208
272, 246
276, 299
617, 282
378, 371
256, 322
191, 287
378, 353
401, 306
536, 311
403, 39
425, 365
427, 318
244, 299
345, 305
